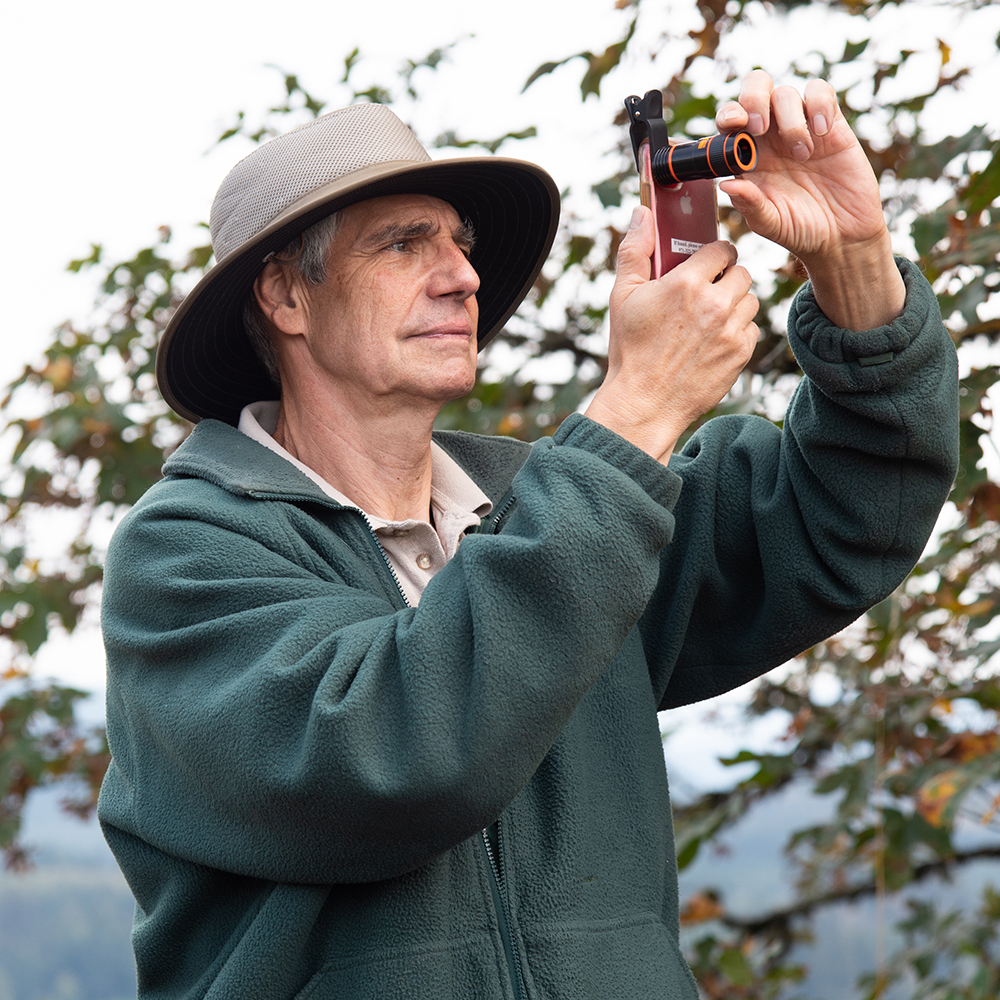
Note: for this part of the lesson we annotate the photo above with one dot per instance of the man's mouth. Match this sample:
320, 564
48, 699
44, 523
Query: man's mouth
446, 331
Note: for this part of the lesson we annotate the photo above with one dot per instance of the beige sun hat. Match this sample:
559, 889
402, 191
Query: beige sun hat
205, 366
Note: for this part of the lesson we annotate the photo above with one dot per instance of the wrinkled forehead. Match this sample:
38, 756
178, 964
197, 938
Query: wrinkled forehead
400, 209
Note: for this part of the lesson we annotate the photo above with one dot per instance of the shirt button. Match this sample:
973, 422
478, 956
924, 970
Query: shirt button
424, 561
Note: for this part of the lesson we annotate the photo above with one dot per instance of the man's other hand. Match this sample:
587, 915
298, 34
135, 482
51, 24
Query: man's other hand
815, 194
677, 344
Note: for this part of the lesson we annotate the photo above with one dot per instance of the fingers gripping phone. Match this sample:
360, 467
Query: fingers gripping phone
676, 180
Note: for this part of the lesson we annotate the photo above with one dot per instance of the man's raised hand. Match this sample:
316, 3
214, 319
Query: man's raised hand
815, 194
677, 344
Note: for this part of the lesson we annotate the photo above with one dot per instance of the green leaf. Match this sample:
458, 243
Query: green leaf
928, 230
450, 139
350, 61
598, 66
985, 187
688, 853
734, 965
375, 94
576, 252
685, 108
970, 473
95, 258
853, 49
609, 192
544, 69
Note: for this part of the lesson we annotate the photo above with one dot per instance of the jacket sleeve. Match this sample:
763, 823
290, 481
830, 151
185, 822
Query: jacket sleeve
272, 714
784, 537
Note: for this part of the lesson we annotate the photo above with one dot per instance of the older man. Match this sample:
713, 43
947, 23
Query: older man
382, 702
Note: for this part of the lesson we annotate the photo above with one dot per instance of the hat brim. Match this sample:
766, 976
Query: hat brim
205, 366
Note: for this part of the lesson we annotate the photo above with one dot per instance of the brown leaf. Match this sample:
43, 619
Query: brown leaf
709, 35
985, 503
935, 794
963, 747
92, 426
59, 373
510, 425
700, 907
799, 723
792, 270
708, 42
616, 238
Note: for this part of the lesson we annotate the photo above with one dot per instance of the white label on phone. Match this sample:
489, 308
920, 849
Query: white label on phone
684, 246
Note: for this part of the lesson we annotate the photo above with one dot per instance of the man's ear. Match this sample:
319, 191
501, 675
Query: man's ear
279, 295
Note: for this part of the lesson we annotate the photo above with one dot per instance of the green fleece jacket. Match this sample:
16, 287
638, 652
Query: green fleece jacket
303, 766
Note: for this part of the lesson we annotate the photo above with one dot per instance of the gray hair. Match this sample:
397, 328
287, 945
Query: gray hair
307, 253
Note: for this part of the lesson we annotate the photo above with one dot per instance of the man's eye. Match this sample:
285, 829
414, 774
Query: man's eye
400, 246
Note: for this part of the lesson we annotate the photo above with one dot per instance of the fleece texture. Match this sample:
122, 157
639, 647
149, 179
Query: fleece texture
302, 765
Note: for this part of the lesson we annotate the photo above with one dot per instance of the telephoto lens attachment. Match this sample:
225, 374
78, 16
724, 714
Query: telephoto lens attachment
726, 155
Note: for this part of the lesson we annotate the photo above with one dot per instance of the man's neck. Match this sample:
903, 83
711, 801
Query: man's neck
381, 460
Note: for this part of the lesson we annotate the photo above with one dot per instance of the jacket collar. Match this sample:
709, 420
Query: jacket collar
220, 454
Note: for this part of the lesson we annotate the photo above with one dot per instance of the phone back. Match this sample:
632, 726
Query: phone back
686, 215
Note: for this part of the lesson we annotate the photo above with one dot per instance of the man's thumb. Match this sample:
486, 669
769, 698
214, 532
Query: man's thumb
635, 249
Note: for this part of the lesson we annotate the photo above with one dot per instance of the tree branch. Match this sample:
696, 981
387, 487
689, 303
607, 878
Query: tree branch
779, 922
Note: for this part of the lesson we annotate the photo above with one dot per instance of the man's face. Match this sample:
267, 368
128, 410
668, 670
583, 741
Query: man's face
397, 314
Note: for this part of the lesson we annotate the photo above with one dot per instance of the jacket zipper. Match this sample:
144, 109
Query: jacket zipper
501, 512
498, 884
501, 903
385, 558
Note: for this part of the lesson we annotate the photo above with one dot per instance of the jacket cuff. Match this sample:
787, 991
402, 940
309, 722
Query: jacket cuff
659, 482
868, 360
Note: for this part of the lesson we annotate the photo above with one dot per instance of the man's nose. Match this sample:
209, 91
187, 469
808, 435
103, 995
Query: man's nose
453, 273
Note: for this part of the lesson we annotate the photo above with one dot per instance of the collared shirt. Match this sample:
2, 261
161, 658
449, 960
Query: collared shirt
414, 548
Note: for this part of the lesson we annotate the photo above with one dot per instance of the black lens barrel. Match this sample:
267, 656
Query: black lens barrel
716, 156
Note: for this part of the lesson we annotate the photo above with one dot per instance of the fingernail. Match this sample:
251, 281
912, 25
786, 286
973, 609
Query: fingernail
820, 126
755, 124
800, 151
636, 218
732, 114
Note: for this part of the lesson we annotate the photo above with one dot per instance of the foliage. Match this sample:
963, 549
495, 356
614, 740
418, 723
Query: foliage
907, 747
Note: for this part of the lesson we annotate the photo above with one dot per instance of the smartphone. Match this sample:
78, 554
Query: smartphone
686, 215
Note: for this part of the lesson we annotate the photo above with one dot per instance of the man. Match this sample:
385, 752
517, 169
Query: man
382, 707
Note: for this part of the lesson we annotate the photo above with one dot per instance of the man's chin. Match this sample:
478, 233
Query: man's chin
443, 381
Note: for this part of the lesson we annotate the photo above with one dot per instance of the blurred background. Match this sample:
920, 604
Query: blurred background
836, 822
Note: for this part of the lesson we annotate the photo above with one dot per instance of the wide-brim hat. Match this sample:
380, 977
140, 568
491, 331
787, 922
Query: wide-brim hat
205, 365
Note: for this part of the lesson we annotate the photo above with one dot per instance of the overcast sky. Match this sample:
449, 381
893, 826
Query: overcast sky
111, 111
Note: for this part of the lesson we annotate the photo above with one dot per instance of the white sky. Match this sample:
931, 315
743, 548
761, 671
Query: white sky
111, 109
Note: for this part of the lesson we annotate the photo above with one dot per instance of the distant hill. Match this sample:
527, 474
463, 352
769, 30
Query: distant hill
64, 935
64, 927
